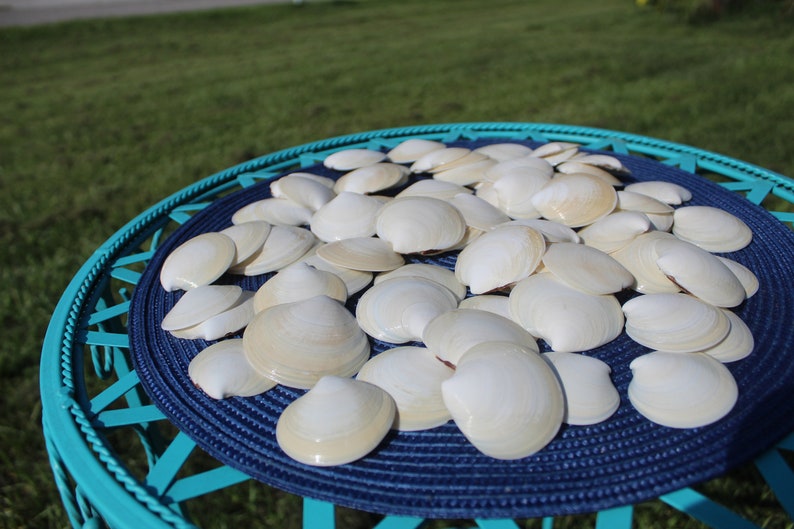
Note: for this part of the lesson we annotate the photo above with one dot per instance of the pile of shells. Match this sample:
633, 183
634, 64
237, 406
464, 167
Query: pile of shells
542, 241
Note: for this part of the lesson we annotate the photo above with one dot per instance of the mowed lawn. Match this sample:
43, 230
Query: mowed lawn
101, 119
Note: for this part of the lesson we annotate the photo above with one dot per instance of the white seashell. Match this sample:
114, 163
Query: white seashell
516, 189
506, 401
306, 192
590, 396
604, 161
478, 213
615, 231
372, 178
221, 371
199, 304
420, 224
413, 377
435, 273
222, 324
499, 258
298, 343
667, 192
297, 282
569, 320
699, 273
324, 180
398, 310
412, 149
349, 159
470, 159
551, 231
284, 246
738, 344
433, 188
453, 333
196, 262
746, 276
338, 421
465, 173
277, 211
575, 200
248, 237
494, 303
681, 390
355, 280
587, 269
368, 254
438, 158
639, 257
573, 166
630, 201
674, 322
528, 165
504, 151
346, 216
713, 229
555, 147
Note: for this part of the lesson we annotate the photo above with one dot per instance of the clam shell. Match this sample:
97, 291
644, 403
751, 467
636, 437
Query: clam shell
355, 280
569, 320
284, 246
494, 303
738, 344
504, 151
420, 224
349, 159
436, 159
222, 324
368, 254
639, 257
248, 237
667, 192
410, 150
555, 147
478, 213
659, 213
198, 261
746, 276
297, 282
575, 200
674, 322
616, 230
573, 166
278, 211
435, 273
587, 269
304, 191
604, 161
413, 377
198, 304
681, 390
298, 343
398, 310
433, 188
527, 165
590, 396
551, 231
466, 173
516, 189
506, 401
713, 229
372, 178
453, 333
346, 216
221, 371
499, 258
338, 421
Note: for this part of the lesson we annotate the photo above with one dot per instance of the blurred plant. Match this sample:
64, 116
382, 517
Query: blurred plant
707, 10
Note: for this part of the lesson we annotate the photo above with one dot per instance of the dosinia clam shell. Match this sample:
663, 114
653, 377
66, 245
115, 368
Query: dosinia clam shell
551, 231
302, 190
524, 165
495, 303
439, 274
248, 237
355, 280
746, 276
221, 371
410, 150
575, 166
713, 229
438, 158
505, 400
298, 343
338, 421
639, 257
367, 254
590, 395
514, 192
433, 188
200, 303
504, 151
349, 159
196, 262
667, 192
575, 200
587, 269
372, 178
346, 216
277, 211
477, 212
681, 390
615, 231
420, 224
296, 282
224, 323
465, 173
284, 246
738, 344
413, 377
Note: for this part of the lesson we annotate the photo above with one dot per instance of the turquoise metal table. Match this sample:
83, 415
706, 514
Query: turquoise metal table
92, 395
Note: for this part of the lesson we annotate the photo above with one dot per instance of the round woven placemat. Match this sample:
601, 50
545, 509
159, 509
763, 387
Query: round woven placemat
437, 473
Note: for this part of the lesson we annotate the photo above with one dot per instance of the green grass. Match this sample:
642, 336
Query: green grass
101, 119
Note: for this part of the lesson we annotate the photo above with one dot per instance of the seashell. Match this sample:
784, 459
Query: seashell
306, 192
504, 151
590, 396
676, 323
248, 237
465, 173
284, 246
412, 149
277, 211
499, 258
420, 224
346, 216
477, 212
528, 165
338, 421
413, 377
433, 188
221, 371
453, 333
575, 200
368, 254
298, 343
659, 213
615, 231
569, 320
355, 280
296, 282
196, 262
494, 303
438, 158
746, 276
324, 180
224, 323
681, 390
551, 231
573, 166
515, 190
713, 229
555, 147
738, 344
471, 158
587, 269
639, 257
439, 274
398, 310
699, 273
667, 192
505, 400
372, 178
604, 161
349, 159
199, 304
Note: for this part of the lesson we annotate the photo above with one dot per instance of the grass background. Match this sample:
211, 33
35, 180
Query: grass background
101, 119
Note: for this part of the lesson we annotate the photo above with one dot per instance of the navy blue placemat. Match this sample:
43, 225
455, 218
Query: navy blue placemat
437, 473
